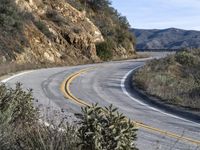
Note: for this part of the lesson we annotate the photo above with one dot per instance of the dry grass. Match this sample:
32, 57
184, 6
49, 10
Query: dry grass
20, 128
12, 67
174, 79
8, 68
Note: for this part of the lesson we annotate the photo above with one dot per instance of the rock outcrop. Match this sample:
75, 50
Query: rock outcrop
52, 32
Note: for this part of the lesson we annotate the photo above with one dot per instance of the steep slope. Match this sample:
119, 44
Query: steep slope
113, 26
54, 31
171, 38
46, 32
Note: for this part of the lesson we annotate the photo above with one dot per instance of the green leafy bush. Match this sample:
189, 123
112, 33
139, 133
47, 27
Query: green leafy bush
104, 50
185, 58
106, 129
16, 106
21, 128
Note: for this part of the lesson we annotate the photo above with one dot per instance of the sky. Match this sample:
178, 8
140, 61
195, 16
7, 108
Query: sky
160, 14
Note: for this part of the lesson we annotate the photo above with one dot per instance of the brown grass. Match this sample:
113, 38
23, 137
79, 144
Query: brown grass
14, 67
174, 79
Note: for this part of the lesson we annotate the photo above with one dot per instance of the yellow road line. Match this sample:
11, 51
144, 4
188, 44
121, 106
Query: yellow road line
167, 133
65, 88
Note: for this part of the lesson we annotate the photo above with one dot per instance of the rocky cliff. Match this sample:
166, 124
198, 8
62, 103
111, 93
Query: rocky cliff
46, 31
113, 26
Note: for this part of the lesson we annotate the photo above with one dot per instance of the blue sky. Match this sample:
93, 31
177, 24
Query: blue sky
160, 14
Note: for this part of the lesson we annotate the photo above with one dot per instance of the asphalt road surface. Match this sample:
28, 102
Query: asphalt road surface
103, 84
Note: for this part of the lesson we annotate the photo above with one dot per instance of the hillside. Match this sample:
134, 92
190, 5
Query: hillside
113, 26
50, 31
171, 38
174, 79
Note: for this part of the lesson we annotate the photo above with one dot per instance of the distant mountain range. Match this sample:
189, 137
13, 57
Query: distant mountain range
171, 38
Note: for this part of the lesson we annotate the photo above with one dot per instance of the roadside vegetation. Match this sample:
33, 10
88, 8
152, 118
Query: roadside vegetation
97, 128
113, 26
174, 79
104, 50
9, 68
16, 24
11, 25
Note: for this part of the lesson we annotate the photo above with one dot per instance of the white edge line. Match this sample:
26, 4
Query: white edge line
144, 104
123, 89
14, 76
23, 73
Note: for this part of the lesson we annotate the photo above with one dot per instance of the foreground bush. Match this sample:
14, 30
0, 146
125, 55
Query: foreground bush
41, 137
16, 106
174, 79
106, 129
21, 128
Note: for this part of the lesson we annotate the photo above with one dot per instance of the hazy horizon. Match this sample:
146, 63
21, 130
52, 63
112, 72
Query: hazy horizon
158, 14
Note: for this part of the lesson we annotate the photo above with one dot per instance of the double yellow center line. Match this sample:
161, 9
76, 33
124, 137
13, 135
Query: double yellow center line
65, 88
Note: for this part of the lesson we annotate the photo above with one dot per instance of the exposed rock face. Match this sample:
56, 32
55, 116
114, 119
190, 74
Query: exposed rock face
121, 52
54, 32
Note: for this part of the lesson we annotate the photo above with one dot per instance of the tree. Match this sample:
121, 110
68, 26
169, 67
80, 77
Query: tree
124, 22
99, 4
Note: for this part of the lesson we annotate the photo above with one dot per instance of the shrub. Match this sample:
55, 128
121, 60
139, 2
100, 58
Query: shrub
106, 129
195, 93
55, 17
41, 137
43, 28
16, 106
104, 50
10, 17
185, 58
99, 128
99, 5
174, 79
21, 130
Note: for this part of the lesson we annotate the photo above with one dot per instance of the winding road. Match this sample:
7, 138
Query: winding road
63, 90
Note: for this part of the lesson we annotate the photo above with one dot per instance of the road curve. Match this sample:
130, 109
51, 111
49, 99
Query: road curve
103, 85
